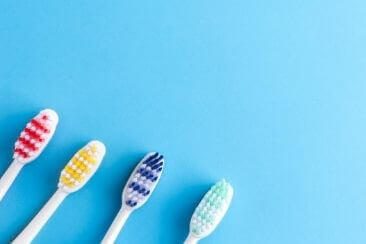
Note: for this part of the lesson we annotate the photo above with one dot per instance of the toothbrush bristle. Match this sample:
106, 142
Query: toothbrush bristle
36, 135
143, 180
211, 209
82, 166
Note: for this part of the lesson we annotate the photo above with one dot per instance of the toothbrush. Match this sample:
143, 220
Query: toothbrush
210, 211
73, 177
137, 191
30, 144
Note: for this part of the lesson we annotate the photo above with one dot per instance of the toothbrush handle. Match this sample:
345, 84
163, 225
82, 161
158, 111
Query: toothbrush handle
32, 229
9, 176
191, 239
116, 226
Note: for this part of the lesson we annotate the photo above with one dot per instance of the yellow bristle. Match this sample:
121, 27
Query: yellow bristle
89, 159
69, 170
74, 160
66, 181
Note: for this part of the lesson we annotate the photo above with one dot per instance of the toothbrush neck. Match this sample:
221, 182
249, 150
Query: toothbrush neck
191, 239
116, 226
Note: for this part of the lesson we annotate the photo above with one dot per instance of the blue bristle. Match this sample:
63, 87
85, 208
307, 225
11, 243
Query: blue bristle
159, 169
132, 184
155, 160
154, 179
136, 188
150, 176
150, 158
146, 193
157, 166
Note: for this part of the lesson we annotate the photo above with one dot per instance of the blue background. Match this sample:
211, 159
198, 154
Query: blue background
268, 94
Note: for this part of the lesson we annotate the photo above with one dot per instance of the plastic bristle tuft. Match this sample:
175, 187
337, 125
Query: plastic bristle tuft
82, 166
36, 135
143, 180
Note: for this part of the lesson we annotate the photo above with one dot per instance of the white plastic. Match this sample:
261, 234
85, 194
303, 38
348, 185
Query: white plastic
191, 239
33, 228
9, 176
116, 226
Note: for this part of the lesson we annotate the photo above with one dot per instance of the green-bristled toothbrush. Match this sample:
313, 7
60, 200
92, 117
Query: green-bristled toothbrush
210, 211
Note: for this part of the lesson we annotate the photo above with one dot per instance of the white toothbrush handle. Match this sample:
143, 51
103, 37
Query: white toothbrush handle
115, 228
32, 229
191, 239
9, 176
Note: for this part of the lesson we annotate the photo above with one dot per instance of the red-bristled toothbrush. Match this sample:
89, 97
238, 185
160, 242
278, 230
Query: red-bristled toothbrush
30, 144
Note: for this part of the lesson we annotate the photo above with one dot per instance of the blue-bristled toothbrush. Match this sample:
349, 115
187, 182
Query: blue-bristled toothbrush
29, 145
138, 189
210, 211
74, 176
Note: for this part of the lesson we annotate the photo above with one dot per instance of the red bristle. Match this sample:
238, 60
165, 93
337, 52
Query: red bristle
22, 153
28, 144
37, 124
32, 134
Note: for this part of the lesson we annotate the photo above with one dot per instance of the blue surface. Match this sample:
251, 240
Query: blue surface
268, 94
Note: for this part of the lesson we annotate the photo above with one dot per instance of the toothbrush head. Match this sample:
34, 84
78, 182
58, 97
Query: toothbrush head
143, 180
81, 167
35, 137
211, 209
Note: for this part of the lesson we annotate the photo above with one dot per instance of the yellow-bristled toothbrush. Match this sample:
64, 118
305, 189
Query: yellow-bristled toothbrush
74, 176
